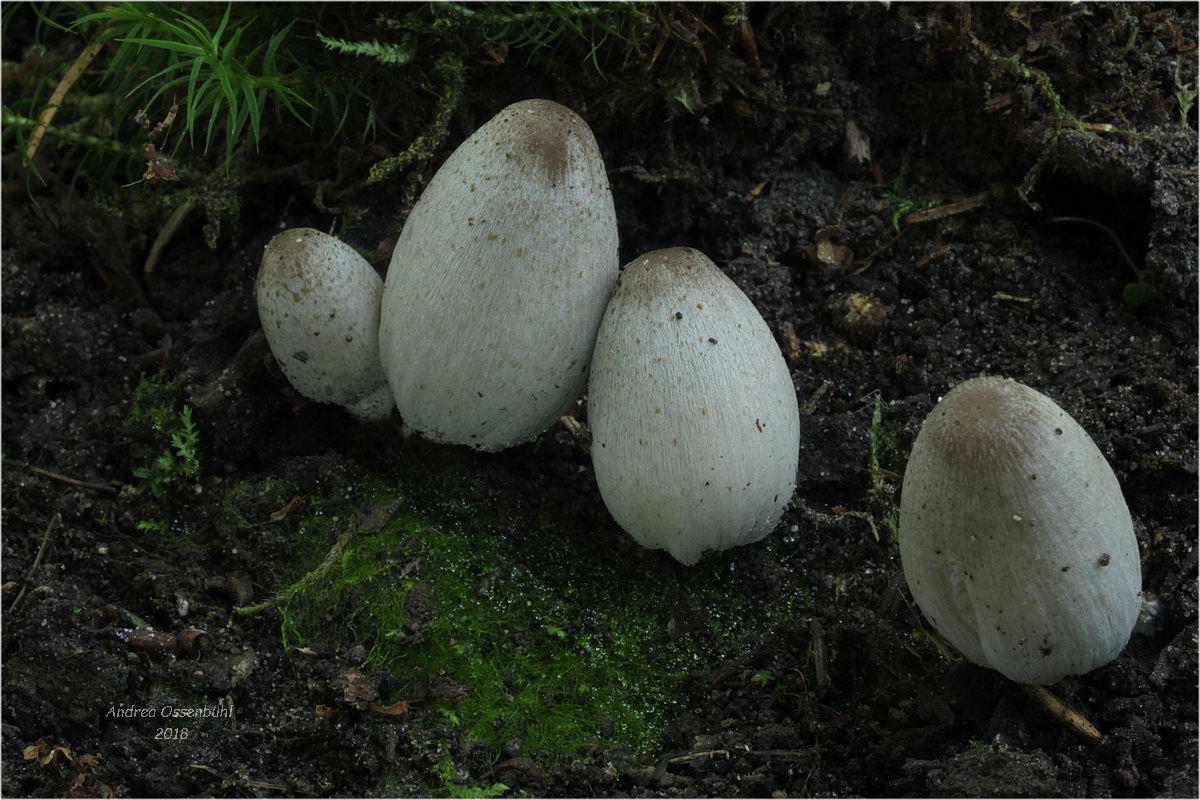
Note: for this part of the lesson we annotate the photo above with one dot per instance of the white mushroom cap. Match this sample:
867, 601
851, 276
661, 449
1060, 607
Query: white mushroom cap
499, 280
1015, 538
318, 301
694, 420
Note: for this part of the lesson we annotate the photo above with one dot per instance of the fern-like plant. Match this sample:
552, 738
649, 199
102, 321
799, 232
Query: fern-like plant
219, 79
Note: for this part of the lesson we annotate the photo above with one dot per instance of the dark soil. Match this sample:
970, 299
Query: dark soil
758, 176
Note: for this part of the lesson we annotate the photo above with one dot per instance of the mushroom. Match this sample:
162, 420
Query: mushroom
694, 421
499, 280
1014, 536
318, 301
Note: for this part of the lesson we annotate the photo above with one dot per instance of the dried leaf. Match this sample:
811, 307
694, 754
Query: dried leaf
397, 711
295, 504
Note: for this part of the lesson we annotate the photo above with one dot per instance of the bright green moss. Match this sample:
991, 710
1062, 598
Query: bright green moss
559, 640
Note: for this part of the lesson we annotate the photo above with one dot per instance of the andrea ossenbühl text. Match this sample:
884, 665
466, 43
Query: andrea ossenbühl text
217, 711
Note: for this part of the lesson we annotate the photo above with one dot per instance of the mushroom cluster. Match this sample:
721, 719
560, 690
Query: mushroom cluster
485, 330
1015, 537
502, 296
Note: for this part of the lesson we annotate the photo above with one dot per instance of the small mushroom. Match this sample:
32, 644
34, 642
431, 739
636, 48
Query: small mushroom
1015, 537
499, 280
318, 301
695, 425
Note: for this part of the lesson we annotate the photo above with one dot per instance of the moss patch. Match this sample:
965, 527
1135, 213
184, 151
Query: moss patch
554, 636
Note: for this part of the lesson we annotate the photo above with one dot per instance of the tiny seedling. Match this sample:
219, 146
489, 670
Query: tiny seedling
169, 438
876, 471
1185, 96
1136, 293
153, 526
880, 504
177, 464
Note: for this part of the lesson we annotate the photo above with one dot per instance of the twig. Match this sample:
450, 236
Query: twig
701, 754
64, 85
83, 484
234, 778
746, 752
37, 560
1072, 720
129, 540
167, 232
948, 210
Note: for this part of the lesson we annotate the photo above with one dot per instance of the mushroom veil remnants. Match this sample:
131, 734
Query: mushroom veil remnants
1015, 537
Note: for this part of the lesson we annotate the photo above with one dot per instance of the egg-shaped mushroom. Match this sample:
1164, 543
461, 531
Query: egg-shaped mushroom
1014, 535
693, 414
499, 280
318, 301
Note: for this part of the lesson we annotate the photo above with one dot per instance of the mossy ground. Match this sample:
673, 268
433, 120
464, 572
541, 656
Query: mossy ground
559, 640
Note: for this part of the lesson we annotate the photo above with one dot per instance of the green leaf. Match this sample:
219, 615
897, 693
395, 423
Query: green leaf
216, 37
273, 47
1138, 294
164, 44
193, 99
254, 106
214, 111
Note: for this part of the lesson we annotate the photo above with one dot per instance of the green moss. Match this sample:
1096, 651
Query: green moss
1061, 116
452, 788
558, 639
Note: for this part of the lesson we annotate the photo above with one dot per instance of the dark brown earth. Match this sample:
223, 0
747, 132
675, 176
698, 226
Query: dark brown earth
758, 176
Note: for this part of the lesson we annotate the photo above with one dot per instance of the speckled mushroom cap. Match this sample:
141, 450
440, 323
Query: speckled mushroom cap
694, 419
1015, 537
499, 280
318, 301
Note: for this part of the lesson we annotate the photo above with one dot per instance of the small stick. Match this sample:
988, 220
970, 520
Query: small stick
948, 210
168, 231
701, 754
1073, 721
64, 85
37, 560
235, 777
83, 484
